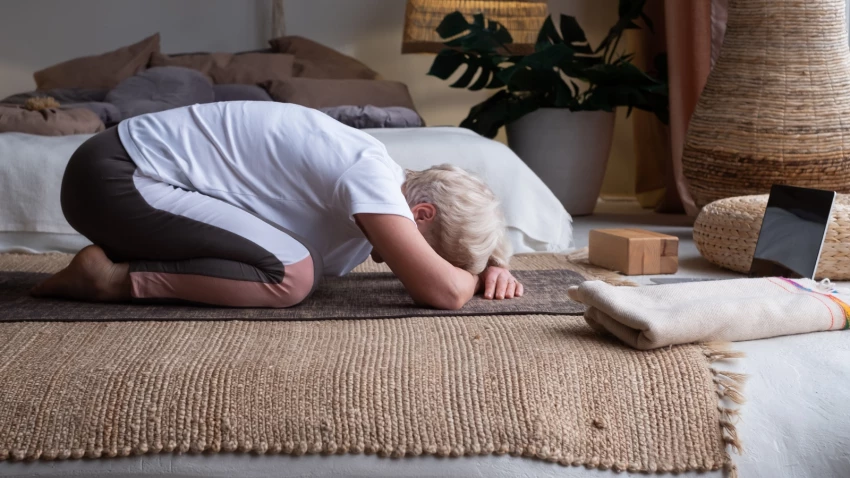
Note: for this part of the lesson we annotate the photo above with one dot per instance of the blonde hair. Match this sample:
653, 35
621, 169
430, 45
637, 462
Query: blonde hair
469, 228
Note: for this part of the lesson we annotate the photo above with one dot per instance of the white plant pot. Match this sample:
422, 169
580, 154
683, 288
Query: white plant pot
568, 150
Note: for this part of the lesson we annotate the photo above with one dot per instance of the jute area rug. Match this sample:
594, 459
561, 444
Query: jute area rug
541, 386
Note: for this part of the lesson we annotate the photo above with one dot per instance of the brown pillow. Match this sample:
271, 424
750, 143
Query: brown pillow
229, 68
320, 93
203, 62
99, 71
48, 122
314, 60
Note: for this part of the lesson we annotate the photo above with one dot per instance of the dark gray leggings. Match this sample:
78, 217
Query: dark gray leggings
101, 201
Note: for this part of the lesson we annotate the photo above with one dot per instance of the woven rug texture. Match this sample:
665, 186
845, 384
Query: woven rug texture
541, 386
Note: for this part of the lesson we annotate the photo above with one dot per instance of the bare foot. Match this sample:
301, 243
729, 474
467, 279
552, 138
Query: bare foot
90, 276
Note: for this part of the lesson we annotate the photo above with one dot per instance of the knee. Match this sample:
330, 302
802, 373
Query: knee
298, 283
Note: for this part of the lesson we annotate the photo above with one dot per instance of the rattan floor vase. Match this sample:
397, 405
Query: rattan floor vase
776, 107
726, 232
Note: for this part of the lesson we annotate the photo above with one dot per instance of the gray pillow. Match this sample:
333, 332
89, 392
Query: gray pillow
240, 93
62, 95
107, 112
159, 89
369, 116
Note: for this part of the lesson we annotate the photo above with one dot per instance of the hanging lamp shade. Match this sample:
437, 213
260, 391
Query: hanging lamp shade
522, 18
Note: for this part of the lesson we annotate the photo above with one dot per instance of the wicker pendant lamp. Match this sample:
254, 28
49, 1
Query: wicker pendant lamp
776, 107
522, 18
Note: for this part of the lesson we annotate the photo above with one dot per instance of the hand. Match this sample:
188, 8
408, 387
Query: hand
500, 284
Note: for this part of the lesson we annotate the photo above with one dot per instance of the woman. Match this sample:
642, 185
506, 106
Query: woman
247, 204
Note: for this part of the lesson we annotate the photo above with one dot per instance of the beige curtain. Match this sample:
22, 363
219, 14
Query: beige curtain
691, 31
278, 21
651, 136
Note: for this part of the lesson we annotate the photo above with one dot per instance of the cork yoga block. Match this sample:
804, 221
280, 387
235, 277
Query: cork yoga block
634, 251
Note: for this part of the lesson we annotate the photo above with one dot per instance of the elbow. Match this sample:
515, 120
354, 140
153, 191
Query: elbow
451, 304
452, 299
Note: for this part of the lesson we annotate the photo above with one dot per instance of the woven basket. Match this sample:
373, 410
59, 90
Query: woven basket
726, 232
776, 106
522, 18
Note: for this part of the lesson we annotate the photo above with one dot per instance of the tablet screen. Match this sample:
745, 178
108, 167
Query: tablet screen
792, 232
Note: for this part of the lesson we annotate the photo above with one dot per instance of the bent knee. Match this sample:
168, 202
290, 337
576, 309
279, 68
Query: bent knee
298, 283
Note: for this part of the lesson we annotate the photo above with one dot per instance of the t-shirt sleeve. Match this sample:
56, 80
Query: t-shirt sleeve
372, 187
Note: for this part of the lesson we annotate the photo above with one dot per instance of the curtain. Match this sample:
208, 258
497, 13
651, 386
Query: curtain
651, 137
277, 20
691, 32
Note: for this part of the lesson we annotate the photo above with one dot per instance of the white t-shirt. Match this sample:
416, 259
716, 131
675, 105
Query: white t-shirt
293, 166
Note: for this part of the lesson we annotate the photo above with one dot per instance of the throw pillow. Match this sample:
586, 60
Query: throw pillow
362, 117
319, 93
229, 68
49, 121
314, 60
99, 71
240, 93
62, 95
161, 88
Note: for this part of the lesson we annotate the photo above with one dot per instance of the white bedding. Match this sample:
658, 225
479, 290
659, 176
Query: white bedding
31, 169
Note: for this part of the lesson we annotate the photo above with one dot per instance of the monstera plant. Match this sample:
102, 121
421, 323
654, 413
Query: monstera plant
557, 101
564, 71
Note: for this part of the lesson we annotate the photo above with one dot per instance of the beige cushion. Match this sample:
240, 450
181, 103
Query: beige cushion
48, 122
314, 60
319, 93
99, 71
229, 68
726, 232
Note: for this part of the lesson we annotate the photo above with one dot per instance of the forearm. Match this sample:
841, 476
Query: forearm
449, 292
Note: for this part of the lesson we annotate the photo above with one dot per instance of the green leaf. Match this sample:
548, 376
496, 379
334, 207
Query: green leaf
630, 8
453, 24
548, 34
478, 20
467, 77
488, 116
482, 81
649, 25
576, 89
446, 63
548, 58
563, 95
574, 35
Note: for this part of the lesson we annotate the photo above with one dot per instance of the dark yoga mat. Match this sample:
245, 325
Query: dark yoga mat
362, 295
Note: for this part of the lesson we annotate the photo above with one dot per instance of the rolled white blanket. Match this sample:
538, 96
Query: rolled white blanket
729, 310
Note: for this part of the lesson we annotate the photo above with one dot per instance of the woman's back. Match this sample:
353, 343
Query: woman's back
290, 165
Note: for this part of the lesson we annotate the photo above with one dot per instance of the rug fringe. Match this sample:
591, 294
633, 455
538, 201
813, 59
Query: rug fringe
728, 385
580, 258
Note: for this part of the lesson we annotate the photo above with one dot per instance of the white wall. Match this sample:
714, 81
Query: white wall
38, 33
